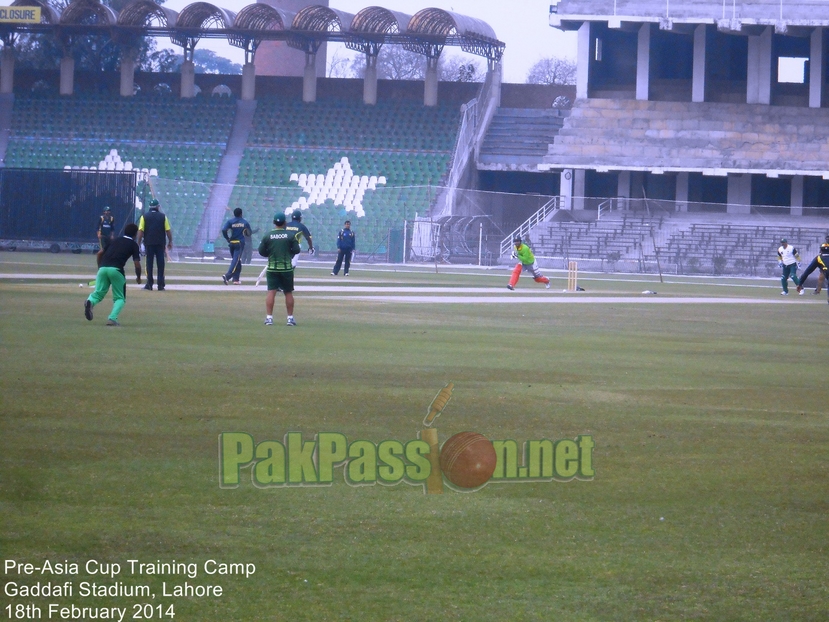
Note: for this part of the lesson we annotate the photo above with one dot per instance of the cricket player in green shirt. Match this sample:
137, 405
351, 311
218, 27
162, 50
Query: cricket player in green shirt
279, 246
527, 261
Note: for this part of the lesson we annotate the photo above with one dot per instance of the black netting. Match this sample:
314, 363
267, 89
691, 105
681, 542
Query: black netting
62, 206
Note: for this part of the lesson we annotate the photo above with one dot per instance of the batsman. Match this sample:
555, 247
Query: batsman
526, 263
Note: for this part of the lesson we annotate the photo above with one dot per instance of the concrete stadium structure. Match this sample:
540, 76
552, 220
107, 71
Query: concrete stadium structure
685, 102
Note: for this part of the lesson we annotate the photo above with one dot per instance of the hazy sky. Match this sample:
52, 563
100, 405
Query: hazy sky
525, 30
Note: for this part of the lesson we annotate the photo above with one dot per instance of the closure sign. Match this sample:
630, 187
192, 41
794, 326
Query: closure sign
21, 14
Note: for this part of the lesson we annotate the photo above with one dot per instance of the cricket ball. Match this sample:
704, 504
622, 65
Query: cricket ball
468, 459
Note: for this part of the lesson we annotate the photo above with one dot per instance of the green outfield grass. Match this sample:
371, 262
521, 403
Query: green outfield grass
710, 499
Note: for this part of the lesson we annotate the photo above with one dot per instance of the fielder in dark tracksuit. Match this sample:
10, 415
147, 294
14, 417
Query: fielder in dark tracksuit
346, 243
106, 229
300, 231
152, 229
235, 231
820, 262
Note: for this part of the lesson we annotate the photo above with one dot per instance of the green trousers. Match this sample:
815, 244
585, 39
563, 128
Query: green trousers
789, 271
115, 278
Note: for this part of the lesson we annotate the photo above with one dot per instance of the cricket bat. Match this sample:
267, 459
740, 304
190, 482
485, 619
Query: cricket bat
261, 274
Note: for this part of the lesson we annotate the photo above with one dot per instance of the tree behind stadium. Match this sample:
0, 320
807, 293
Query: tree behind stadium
91, 53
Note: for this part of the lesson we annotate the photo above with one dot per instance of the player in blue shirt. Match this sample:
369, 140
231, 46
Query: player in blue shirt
346, 245
235, 231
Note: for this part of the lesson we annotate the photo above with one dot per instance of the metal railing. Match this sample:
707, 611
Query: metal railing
542, 215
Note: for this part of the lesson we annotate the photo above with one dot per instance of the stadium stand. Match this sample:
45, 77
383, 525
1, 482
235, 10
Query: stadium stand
373, 162
181, 139
687, 135
724, 245
337, 159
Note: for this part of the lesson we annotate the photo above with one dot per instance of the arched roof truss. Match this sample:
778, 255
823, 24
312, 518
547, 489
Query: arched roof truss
138, 15
48, 13
427, 32
146, 13
88, 13
370, 27
312, 25
77, 18
430, 29
255, 19
195, 18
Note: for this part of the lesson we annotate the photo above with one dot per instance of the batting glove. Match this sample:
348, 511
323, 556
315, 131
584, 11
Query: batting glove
779, 264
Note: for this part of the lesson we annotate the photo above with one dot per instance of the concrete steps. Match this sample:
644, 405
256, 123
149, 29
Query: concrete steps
692, 136
525, 133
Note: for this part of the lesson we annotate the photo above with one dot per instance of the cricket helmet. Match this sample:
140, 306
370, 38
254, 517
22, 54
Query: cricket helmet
516, 239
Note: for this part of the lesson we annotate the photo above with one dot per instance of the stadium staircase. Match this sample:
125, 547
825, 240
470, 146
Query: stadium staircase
520, 136
217, 204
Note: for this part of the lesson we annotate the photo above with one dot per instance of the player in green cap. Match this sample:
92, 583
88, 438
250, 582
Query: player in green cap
279, 246
526, 262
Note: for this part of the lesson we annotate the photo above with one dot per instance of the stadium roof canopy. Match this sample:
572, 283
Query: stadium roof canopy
427, 32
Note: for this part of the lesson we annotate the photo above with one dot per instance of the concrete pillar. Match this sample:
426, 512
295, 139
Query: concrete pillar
248, 82
127, 74
188, 79
765, 65
583, 61
430, 86
758, 79
7, 70
816, 64
370, 81
797, 195
752, 71
682, 192
739, 194
623, 189
309, 80
578, 188
643, 63
497, 77
698, 80
67, 75
566, 189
